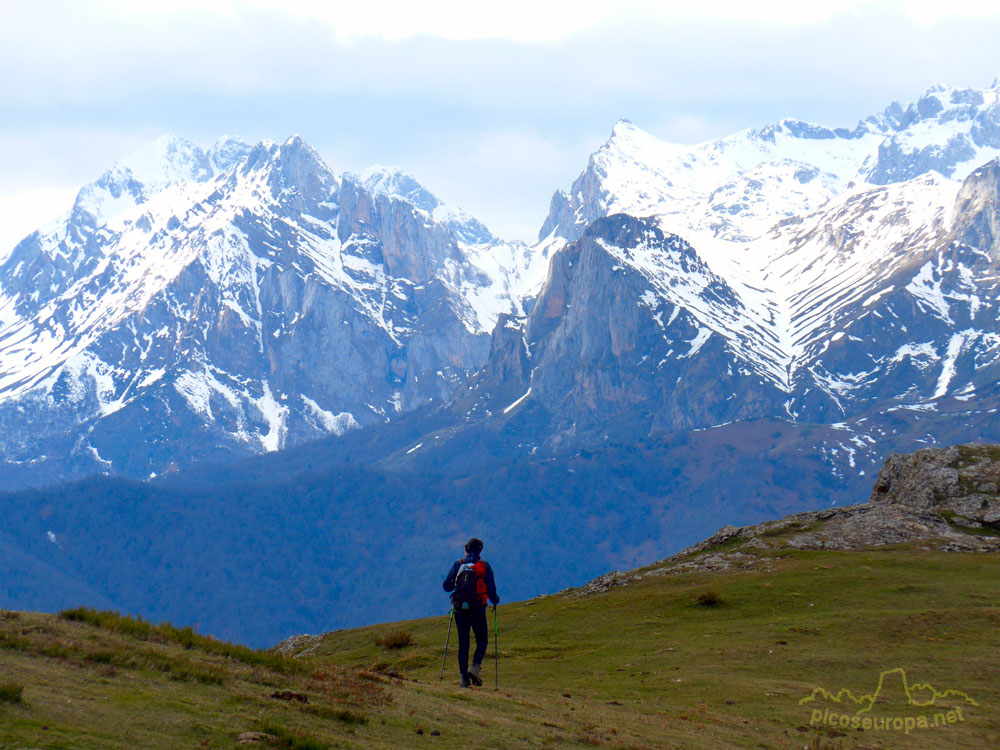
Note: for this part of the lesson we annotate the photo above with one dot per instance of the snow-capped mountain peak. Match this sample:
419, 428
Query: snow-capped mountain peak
166, 161
169, 160
940, 103
950, 130
226, 152
143, 173
393, 182
248, 292
396, 184
738, 187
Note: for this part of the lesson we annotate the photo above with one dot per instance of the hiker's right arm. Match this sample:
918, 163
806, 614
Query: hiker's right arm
449, 581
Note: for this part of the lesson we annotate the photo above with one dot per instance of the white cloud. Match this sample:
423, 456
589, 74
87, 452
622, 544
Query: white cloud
517, 20
543, 20
927, 12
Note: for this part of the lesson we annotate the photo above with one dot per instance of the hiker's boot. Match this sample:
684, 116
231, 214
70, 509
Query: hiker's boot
465, 681
474, 675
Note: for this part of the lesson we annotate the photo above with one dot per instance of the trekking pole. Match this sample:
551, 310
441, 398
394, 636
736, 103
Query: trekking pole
496, 651
451, 616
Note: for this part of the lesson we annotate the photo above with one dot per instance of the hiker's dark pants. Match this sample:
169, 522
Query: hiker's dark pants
465, 619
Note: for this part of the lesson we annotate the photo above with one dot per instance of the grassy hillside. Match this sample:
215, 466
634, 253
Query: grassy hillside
692, 660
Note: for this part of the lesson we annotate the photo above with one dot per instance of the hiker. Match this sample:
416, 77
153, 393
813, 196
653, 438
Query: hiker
471, 582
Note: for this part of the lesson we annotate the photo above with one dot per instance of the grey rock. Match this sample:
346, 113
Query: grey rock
896, 163
977, 211
298, 646
960, 480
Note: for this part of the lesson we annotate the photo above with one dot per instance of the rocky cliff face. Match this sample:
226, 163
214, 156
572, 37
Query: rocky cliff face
604, 344
977, 213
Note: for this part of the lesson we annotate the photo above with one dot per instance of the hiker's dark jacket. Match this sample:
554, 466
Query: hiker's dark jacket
491, 587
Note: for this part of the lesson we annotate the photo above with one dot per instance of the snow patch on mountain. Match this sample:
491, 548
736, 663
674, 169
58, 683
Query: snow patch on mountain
955, 345
335, 424
275, 415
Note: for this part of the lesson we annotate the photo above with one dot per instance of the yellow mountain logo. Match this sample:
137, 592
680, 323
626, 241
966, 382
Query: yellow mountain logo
894, 693
921, 694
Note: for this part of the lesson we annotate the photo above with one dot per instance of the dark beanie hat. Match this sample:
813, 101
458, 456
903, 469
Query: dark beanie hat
474, 545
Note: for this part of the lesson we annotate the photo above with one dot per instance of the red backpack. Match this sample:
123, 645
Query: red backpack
470, 586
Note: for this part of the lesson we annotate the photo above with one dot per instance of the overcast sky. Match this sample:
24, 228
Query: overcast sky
492, 108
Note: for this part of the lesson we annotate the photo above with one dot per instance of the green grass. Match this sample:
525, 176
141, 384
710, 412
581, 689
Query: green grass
640, 666
186, 637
